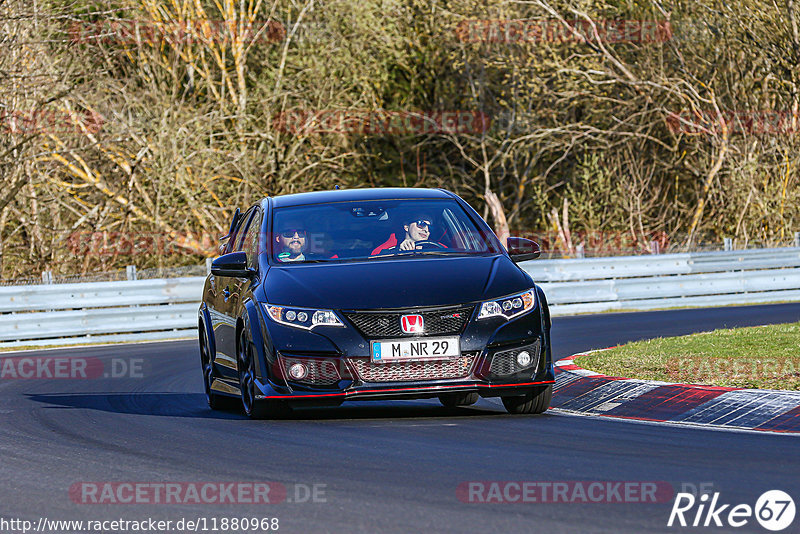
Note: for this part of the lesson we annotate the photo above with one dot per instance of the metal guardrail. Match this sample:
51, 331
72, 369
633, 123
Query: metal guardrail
98, 312
668, 280
155, 309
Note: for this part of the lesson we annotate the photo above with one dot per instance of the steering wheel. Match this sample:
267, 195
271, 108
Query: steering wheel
427, 245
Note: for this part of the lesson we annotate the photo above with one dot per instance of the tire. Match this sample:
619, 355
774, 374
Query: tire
537, 401
215, 400
246, 363
454, 400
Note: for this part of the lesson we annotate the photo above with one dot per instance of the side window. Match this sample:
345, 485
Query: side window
231, 241
463, 237
238, 239
252, 240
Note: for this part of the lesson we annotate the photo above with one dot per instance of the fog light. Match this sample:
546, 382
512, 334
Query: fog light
524, 358
298, 371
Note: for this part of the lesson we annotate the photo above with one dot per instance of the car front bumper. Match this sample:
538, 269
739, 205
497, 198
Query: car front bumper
339, 364
359, 378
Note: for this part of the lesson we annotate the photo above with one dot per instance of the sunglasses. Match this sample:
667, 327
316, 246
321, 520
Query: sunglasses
422, 222
290, 233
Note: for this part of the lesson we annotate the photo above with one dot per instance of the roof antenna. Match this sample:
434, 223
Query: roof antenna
336, 187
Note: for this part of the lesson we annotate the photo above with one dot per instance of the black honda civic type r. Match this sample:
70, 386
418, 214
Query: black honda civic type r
359, 294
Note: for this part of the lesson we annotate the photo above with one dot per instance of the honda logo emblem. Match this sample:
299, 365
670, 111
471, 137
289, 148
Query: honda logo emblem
412, 324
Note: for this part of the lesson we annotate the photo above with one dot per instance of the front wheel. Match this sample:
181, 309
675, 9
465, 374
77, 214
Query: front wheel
537, 401
246, 363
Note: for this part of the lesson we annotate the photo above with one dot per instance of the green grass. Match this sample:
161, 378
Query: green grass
669, 308
765, 357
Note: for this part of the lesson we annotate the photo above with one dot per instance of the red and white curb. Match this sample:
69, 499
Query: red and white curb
584, 391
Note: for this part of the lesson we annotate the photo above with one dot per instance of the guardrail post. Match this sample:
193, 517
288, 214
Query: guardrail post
728, 243
797, 239
208, 265
655, 247
47, 277
130, 270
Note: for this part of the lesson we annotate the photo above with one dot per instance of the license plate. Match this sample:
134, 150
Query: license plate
426, 348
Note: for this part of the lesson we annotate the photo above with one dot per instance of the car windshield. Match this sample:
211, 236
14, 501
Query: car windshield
375, 230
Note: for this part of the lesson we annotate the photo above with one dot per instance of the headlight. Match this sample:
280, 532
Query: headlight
509, 307
306, 318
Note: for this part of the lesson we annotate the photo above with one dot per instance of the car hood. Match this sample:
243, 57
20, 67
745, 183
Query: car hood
394, 283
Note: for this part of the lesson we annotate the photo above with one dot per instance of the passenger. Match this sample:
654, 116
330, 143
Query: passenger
292, 242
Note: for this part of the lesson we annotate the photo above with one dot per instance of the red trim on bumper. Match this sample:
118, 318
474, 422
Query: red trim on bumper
520, 384
395, 390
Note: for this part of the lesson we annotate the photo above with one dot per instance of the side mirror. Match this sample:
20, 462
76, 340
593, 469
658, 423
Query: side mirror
521, 249
233, 264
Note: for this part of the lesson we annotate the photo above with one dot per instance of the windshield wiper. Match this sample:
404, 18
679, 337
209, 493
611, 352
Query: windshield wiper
405, 253
412, 253
439, 252
384, 256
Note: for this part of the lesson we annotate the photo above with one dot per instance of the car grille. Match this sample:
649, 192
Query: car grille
320, 372
460, 367
438, 321
505, 362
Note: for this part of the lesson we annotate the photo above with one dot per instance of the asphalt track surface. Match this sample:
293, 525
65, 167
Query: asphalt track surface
385, 466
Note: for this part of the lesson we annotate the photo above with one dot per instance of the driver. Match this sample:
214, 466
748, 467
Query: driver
292, 243
418, 228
